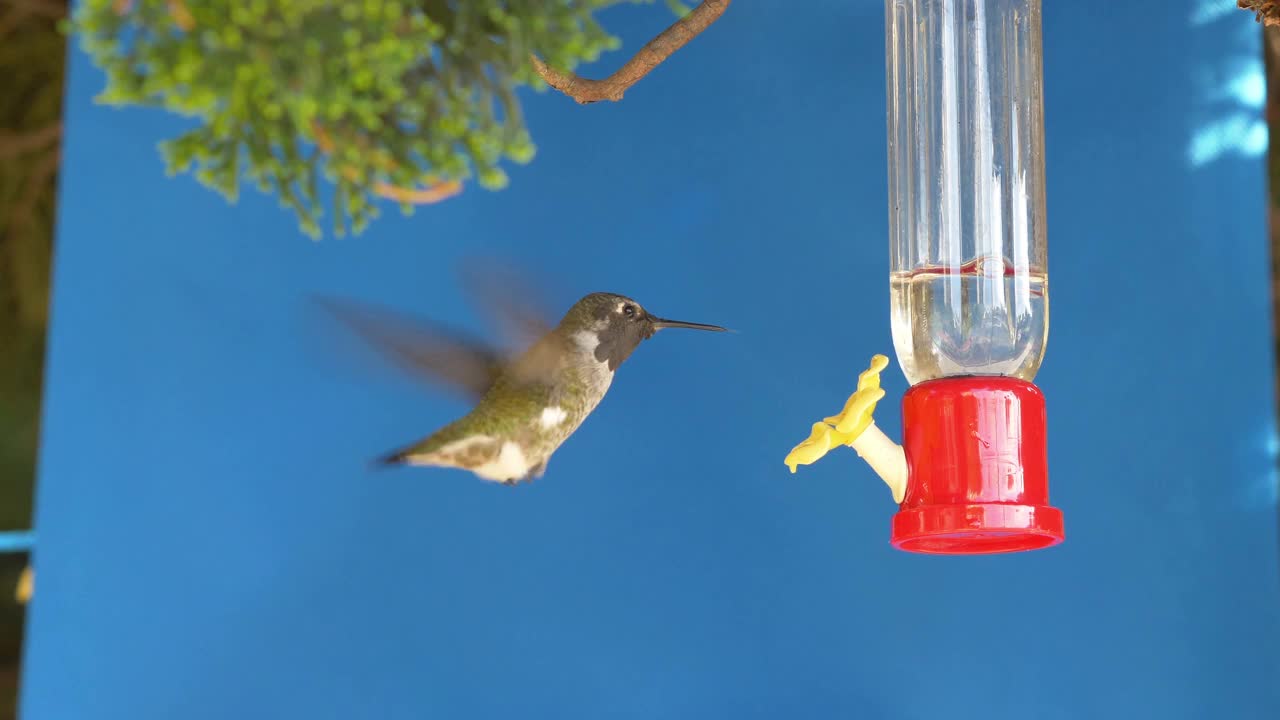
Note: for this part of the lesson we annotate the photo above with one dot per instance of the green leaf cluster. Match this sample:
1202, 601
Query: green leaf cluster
300, 96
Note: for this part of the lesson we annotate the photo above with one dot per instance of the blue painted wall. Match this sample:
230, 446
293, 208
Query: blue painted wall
212, 546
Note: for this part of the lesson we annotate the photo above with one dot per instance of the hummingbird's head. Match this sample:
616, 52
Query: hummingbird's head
612, 326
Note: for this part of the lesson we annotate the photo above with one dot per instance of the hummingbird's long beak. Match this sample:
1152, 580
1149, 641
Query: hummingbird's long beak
658, 323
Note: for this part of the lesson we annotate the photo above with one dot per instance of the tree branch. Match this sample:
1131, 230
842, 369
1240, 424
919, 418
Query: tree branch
15, 144
1265, 11
43, 8
21, 10
647, 58
23, 212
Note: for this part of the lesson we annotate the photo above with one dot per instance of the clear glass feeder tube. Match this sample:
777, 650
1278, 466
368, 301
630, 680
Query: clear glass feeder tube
969, 280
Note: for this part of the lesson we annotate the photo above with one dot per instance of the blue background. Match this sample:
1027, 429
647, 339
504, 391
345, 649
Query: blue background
211, 544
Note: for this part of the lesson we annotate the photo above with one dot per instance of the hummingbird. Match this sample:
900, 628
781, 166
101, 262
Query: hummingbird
527, 403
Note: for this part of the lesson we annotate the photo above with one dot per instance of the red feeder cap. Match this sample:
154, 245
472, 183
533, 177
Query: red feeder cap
977, 477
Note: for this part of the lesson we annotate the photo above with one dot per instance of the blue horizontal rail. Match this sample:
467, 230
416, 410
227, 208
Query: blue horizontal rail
17, 541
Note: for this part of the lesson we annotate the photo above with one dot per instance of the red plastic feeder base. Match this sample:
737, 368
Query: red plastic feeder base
977, 477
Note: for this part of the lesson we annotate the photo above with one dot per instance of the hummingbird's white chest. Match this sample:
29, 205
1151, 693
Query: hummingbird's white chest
594, 374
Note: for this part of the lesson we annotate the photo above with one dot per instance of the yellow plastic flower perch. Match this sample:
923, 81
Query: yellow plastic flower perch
855, 428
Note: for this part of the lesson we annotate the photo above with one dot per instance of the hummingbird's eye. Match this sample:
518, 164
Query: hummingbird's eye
629, 310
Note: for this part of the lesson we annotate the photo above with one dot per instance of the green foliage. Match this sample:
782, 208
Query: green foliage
360, 92
679, 8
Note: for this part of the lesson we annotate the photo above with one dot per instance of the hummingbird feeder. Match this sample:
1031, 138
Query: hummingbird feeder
968, 284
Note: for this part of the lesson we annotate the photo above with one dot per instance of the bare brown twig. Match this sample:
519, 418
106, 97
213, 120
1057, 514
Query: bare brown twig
182, 17
412, 196
1265, 11
646, 59
178, 11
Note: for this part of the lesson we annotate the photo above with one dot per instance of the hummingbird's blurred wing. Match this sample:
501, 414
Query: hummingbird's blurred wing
423, 348
518, 308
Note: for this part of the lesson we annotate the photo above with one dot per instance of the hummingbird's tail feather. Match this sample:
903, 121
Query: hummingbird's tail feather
388, 460
393, 458
490, 458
